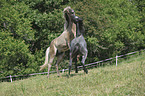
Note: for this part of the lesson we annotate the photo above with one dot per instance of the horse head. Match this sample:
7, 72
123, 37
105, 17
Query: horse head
79, 24
69, 14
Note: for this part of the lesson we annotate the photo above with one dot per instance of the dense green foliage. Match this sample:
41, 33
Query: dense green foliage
127, 79
28, 26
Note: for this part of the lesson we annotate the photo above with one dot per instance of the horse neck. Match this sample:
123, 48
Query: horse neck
78, 33
72, 29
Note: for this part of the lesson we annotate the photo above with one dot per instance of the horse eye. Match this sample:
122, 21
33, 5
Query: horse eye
72, 11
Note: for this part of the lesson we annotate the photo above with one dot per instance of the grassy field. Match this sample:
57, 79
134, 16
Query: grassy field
128, 78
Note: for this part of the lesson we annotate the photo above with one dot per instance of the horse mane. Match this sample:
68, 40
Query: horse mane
82, 28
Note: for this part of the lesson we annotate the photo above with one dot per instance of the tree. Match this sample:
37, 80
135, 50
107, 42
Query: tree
112, 27
28, 26
15, 34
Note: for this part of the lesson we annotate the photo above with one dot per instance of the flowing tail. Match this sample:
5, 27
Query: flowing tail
46, 59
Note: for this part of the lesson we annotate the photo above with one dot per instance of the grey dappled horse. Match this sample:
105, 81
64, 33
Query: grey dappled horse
62, 43
78, 45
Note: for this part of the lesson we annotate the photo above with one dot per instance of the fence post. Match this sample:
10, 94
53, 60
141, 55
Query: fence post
116, 59
62, 70
11, 78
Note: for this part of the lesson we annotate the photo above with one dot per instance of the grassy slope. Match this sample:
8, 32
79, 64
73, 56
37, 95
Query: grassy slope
126, 79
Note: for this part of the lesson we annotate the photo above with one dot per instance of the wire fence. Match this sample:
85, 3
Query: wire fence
63, 70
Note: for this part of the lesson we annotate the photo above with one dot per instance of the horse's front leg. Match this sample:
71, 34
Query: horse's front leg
76, 69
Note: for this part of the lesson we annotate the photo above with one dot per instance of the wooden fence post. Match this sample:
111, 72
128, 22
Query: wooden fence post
116, 59
11, 78
62, 70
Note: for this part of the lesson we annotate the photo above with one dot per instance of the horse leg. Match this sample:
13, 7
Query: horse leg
49, 65
76, 71
52, 55
70, 62
83, 60
59, 59
73, 53
50, 62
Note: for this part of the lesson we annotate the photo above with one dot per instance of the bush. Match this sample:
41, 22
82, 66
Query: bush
112, 28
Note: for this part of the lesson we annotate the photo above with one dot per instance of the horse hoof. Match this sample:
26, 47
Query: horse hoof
68, 76
87, 72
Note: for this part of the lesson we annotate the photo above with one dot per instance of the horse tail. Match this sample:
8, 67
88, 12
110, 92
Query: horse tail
46, 59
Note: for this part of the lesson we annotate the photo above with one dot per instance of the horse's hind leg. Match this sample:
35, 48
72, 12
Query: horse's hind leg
83, 60
59, 59
49, 65
70, 62
73, 53
52, 55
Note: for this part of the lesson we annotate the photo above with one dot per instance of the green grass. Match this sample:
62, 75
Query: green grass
128, 78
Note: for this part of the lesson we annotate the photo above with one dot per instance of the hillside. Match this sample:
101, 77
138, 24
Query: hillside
128, 78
